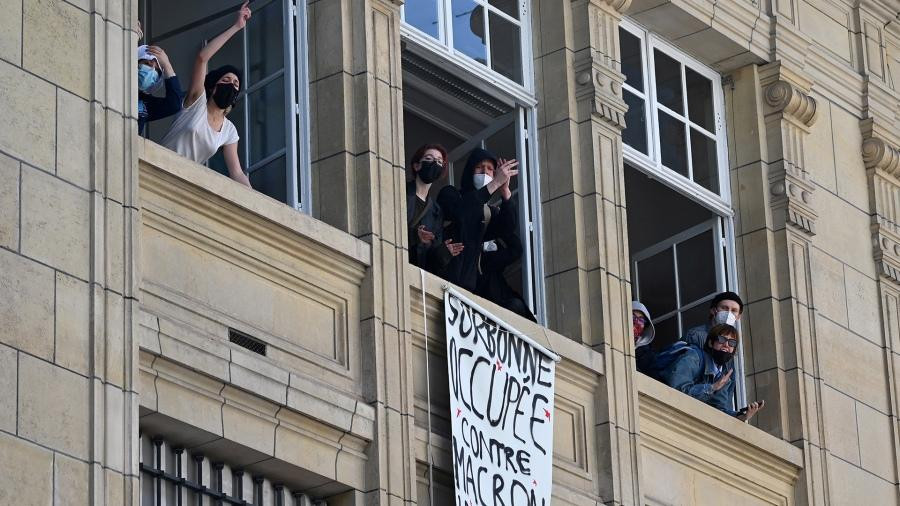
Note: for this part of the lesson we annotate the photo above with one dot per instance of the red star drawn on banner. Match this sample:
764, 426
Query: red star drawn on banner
533, 483
546, 413
499, 365
458, 412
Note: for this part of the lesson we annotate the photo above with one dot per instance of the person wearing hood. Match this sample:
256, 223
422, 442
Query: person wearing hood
424, 218
643, 332
472, 220
154, 70
201, 128
707, 374
726, 307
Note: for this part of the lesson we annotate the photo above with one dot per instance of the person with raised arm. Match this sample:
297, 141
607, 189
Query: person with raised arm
201, 127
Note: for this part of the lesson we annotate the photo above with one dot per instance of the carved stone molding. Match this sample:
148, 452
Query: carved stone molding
619, 5
790, 112
879, 155
792, 102
883, 165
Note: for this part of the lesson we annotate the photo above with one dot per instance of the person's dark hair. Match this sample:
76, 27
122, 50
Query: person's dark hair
722, 329
727, 296
214, 75
420, 153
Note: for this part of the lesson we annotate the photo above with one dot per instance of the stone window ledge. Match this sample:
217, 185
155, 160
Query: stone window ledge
172, 165
687, 437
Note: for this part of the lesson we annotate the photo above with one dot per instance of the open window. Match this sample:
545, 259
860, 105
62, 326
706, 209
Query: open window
680, 229
272, 115
466, 85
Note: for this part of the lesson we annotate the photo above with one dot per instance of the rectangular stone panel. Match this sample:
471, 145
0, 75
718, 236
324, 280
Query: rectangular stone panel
26, 308
26, 473
55, 222
28, 109
49, 26
291, 309
828, 26
51, 397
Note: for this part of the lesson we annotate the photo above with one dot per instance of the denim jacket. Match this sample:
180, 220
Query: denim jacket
694, 373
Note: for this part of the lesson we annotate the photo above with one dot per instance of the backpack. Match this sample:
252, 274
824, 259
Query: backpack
666, 357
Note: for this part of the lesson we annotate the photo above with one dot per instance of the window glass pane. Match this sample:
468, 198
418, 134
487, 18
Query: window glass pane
265, 43
632, 63
666, 331
700, 99
423, 14
672, 143
267, 122
271, 179
696, 267
697, 315
506, 52
507, 6
668, 81
704, 161
468, 29
635, 134
656, 277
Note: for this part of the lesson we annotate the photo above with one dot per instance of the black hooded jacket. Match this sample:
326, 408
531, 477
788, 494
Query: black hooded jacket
466, 209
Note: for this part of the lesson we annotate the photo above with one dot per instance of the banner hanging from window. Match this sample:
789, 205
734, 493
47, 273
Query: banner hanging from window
501, 409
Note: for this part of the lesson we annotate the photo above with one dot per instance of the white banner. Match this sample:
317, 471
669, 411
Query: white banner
501, 409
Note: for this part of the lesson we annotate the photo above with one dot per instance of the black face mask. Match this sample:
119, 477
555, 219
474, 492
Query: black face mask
429, 172
721, 357
225, 96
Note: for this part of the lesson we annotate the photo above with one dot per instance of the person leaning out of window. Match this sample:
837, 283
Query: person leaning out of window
154, 70
707, 374
725, 307
472, 220
424, 218
201, 128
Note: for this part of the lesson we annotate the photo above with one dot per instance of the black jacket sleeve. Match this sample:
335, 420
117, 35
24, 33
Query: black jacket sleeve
162, 107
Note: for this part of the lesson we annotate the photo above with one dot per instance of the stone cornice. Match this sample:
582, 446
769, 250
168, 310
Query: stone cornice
792, 102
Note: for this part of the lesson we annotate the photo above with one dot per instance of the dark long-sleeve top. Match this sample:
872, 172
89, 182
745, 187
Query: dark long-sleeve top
161, 107
434, 257
466, 213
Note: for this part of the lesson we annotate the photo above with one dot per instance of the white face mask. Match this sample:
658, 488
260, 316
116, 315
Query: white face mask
481, 180
725, 317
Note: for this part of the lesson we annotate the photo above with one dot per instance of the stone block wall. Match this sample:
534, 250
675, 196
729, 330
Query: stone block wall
66, 253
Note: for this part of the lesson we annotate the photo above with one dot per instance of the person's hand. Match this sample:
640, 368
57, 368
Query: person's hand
163, 59
505, 192
722, 381
455, 248
506, 170
140, 31
243, 16
751, 410
425, 237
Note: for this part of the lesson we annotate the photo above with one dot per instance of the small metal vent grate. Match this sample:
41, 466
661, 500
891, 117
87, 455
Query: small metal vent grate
245, 341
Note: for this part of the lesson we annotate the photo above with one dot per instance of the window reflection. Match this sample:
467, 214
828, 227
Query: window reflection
506, 53
469, 30
423, 14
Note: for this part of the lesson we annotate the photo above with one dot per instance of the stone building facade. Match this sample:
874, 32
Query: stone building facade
160, 321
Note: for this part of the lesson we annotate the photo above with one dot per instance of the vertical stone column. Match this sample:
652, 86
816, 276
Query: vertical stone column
361, 188
771, 112
582, 193
67, 237
881, 154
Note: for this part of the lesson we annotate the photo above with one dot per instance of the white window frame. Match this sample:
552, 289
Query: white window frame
651, 162
298, 161
443, 45
522, 97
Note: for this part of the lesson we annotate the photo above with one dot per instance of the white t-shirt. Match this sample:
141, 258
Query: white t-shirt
191, 136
